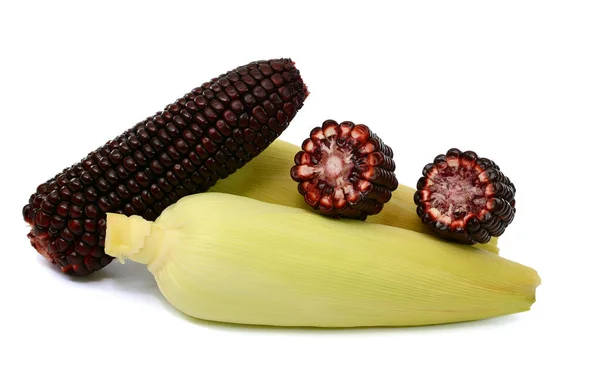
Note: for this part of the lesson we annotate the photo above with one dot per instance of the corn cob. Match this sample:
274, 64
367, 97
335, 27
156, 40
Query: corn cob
345, 170
234, 259
267, 178
200, 138
465, 198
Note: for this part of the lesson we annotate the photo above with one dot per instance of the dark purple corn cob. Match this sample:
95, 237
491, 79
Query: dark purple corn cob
345, 170
465, 198
202, 137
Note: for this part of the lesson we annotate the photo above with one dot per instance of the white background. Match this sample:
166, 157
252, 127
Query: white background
515, 81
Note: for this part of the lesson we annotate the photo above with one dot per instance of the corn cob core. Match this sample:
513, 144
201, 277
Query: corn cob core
202, 137
235, 259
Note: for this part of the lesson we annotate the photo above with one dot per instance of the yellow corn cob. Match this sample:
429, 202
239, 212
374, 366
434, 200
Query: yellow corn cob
234, 259
267, 178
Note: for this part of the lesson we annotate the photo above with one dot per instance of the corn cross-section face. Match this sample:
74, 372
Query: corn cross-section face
465, 198
202, 137
345, 170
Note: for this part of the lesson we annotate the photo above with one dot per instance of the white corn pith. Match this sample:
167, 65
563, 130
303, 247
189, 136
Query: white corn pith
267, 178
233, 259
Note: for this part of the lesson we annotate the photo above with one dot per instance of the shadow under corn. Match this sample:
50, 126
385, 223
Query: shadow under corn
487, 323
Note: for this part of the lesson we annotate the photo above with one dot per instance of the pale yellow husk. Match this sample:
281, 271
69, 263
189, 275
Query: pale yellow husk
267, 178
234, 259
